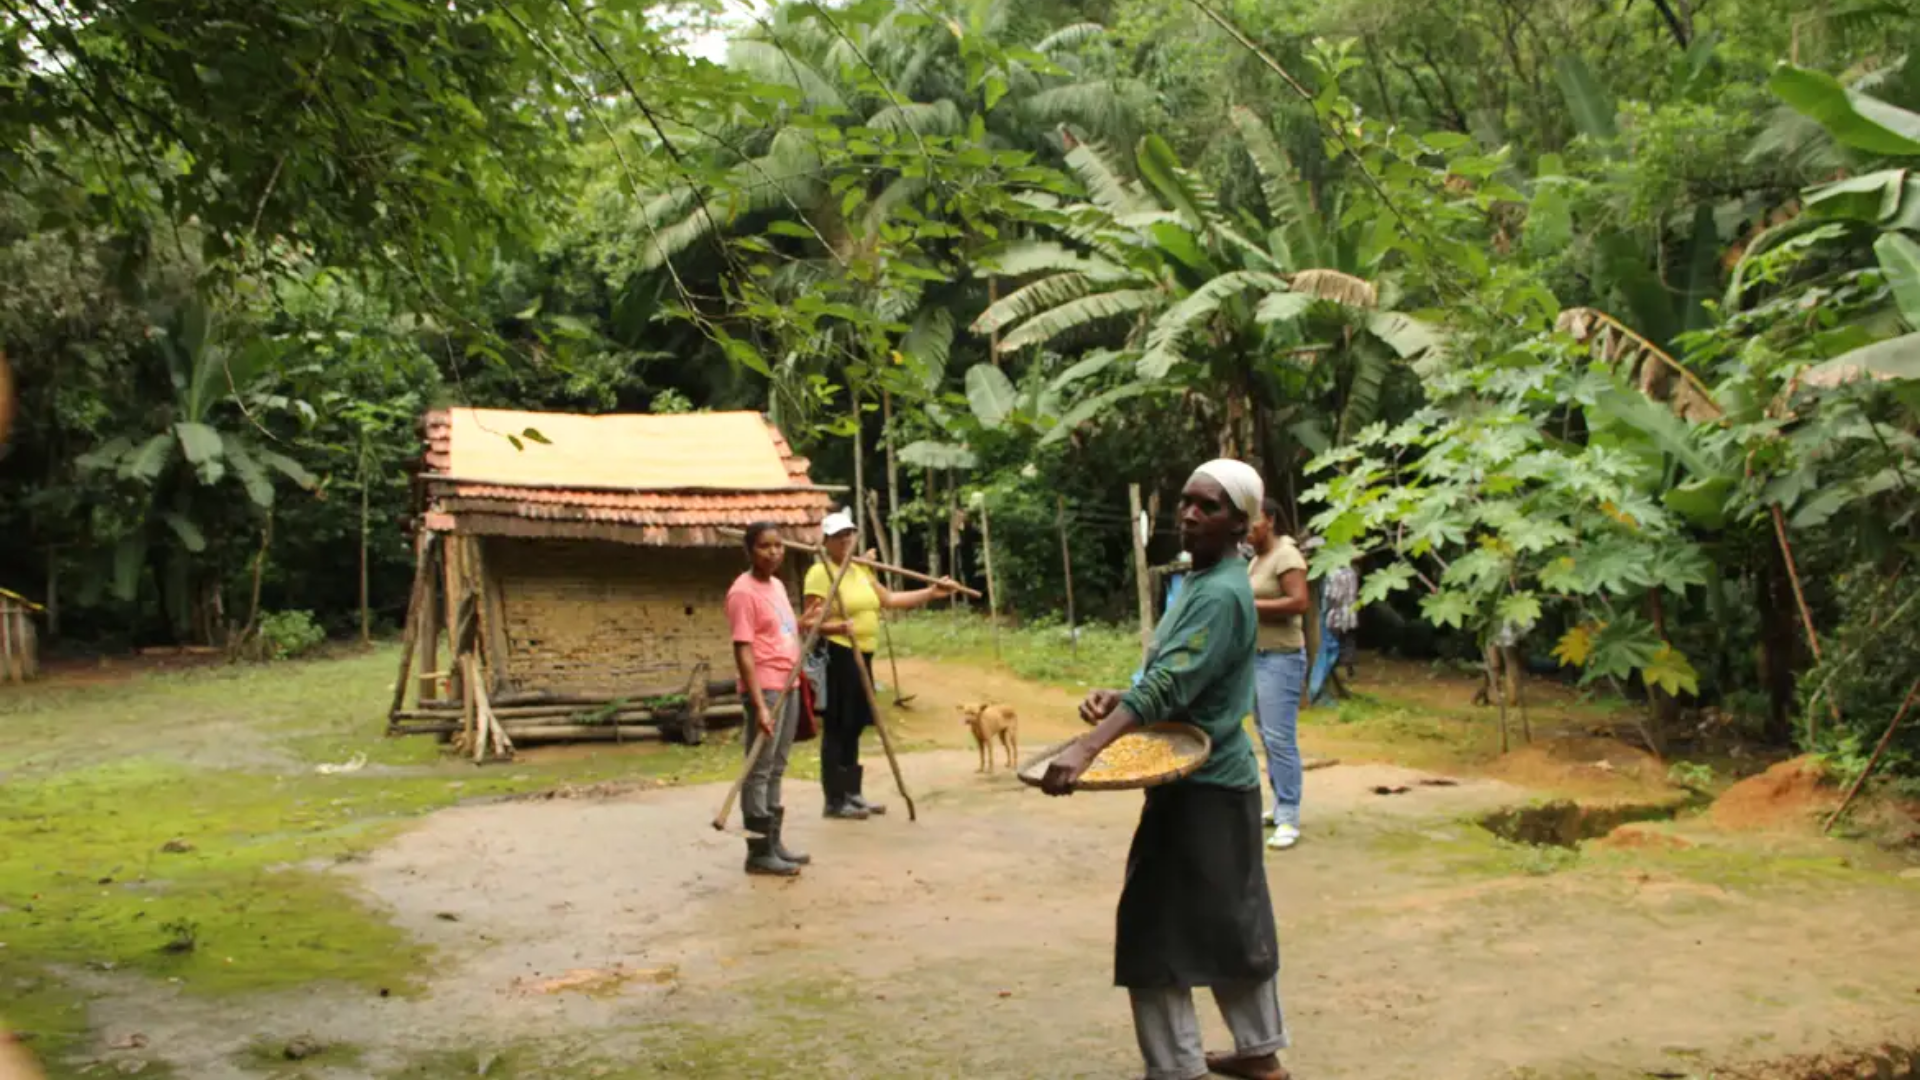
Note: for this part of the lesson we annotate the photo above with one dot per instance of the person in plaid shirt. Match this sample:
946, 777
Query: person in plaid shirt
1343, 612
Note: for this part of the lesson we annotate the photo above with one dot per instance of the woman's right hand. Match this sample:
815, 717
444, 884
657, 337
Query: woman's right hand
1099, 705
764, 717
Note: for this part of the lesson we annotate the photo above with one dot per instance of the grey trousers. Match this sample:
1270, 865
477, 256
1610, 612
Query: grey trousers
760, 795
1169, 1030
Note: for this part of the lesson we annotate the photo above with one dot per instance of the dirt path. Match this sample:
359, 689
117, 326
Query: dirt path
618, 938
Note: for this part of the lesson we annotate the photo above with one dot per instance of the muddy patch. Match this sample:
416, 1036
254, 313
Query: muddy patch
1566, 824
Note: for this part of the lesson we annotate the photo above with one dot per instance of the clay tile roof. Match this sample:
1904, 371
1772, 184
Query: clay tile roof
638, 478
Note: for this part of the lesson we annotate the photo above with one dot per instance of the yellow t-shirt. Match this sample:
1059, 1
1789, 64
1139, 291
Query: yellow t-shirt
1263, 574
862, 603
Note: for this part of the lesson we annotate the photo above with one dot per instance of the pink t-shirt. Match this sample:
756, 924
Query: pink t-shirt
762, 616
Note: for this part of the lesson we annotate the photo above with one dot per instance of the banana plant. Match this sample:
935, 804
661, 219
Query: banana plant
205, 436
1195, 297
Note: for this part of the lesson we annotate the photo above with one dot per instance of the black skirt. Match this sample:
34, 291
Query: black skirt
1195, 910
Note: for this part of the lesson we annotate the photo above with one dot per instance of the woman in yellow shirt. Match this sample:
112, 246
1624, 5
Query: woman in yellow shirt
851, 640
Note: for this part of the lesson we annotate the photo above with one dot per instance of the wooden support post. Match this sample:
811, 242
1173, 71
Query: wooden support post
859, 466
1066, 568
410, 632
432, 622
454, 594
993, 591
1143, 583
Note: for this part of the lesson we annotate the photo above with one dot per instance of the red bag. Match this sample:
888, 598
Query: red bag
809, 725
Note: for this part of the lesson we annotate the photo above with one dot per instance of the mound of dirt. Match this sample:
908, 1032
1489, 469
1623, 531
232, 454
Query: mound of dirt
1787, 796
1640, 838
1603, 766
1891, 1062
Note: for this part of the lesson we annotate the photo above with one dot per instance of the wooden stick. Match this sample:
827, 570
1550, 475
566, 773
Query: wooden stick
1793, 575
871, 564
779, 704
873, 705
1873, 762
411, 634
886, 620
1066, 567
1141, 578
993, 592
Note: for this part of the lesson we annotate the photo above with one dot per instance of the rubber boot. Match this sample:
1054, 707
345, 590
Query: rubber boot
780, 848
855, 776
760, 856
839, 805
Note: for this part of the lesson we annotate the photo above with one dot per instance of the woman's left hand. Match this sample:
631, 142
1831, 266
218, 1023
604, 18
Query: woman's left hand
1065, 769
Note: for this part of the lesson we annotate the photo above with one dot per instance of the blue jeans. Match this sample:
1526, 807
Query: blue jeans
1278, 678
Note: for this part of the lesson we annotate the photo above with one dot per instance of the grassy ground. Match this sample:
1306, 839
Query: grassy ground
172, 825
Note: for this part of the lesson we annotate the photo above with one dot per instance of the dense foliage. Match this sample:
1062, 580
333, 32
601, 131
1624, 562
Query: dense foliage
1591, 326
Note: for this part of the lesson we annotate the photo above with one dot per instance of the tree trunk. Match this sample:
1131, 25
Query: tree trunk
931, 496
898, 553
366, 614
859, 472
1778, 637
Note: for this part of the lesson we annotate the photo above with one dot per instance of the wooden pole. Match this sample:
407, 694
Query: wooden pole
871, 564
993, 592
953, 526
410, 632
873, 705
859, 466
1873, 762
928, 494
366, 608
895, 554
886, 617
427, 641
1066, 568
1142, 583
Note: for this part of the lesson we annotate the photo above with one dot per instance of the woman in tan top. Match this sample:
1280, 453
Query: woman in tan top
1279, 576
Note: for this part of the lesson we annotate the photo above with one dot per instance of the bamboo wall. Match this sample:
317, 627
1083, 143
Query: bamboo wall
592, 617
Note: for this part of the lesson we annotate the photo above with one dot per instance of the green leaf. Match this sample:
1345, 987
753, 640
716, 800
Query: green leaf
288, 468
1074, 314
200, 443
1895, 358
1853, 119
190, 535
1520, 610
1160, 168
1447, 608
1282, 307
742, 353
1480, 569
1386, 581
150, 460
790, 229
1900, 261
1091, 408
533, 435
1405, 335
1593, 109
108, 455
1875, 197
1670, 670
1702, 500
1163, 341
928, 454
996, 88
990, 394
129, 559
253, 477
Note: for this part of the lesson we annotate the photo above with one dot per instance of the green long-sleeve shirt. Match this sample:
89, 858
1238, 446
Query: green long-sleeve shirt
1200, 670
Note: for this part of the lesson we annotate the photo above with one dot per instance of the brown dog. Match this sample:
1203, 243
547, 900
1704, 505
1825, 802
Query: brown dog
987, 723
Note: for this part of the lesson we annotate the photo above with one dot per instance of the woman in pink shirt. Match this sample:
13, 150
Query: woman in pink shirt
766, 647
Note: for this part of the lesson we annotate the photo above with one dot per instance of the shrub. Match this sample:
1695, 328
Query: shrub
285, 634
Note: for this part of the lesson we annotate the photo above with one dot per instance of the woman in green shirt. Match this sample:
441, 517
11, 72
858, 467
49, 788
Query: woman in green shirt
1195, 909
852, 629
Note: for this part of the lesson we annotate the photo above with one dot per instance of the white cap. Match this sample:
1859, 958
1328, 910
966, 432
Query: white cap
836, 523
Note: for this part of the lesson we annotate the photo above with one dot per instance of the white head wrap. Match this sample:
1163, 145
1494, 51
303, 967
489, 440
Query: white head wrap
1239, 480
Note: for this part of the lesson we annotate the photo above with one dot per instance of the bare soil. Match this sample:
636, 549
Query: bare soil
1789, 796
613, 934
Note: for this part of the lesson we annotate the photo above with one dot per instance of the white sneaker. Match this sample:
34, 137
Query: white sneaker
1284, 837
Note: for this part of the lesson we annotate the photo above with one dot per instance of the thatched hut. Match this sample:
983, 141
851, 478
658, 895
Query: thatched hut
577, 568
